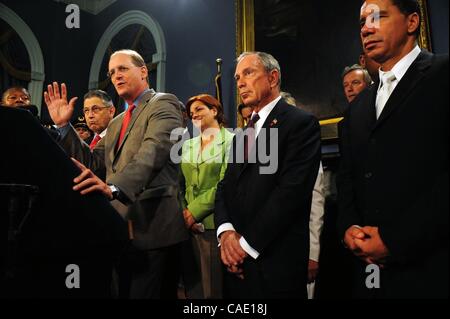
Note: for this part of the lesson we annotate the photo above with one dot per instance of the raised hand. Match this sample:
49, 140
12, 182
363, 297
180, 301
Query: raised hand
59, 109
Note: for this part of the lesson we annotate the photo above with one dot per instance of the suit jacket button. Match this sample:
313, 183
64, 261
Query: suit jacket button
368, 175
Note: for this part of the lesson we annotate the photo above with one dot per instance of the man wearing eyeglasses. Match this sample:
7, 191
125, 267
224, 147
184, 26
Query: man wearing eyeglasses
98, 111
141, 179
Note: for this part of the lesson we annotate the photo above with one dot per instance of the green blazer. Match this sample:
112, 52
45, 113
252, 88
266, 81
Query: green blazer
201, 172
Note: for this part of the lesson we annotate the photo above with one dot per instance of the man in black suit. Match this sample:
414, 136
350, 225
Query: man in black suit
262, 212
393, 183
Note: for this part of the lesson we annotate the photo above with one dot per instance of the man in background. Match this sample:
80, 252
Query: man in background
16, 96
98, 110
355, 79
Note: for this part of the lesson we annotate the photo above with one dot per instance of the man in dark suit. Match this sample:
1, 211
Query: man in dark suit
393, 183
262, 209
141, 179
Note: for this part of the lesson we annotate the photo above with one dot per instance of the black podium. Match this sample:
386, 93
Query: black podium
48, 226
16, 203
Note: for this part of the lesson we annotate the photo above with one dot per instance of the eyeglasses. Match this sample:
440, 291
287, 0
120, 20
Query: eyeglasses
95, 109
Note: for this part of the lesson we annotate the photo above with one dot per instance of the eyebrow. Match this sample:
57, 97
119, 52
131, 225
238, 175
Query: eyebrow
244, 70
363, 18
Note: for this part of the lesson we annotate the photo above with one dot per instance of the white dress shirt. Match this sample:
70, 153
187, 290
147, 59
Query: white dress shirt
263, 114
399, 71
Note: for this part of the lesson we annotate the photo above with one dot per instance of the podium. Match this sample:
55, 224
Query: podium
16, 203
48, 226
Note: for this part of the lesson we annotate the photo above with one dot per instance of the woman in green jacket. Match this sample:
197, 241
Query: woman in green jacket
203, 165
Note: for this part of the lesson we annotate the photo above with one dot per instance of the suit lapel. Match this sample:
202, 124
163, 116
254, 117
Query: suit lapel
365, 107
142, 104
212, 151
114, 131
406, 85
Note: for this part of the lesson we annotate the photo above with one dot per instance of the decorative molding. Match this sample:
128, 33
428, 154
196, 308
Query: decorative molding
245, 36
92, 6
36, 84
425, 35
125, 19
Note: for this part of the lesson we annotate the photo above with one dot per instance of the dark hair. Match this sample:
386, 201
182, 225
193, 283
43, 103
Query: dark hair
211, 102
408, 7
106, 99
241, 107
15, 88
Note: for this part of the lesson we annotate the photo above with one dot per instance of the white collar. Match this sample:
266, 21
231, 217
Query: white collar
102, 134
265, 110
264, 113
403, 65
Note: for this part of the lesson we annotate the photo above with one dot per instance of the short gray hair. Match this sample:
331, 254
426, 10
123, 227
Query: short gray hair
356, 67
267, 60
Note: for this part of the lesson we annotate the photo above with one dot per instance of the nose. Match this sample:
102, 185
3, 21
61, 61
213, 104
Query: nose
240, 83
368, 28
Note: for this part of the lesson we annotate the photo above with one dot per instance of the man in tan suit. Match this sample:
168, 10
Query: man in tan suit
141, 180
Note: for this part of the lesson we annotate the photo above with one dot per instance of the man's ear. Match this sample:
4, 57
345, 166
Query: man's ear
274, 77
112, 110
144, 72
413, 22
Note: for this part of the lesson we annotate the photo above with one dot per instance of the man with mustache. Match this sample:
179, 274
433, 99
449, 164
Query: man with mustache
98, 111
393, 183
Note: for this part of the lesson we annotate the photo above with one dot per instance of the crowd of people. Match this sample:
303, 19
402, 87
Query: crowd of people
223, 223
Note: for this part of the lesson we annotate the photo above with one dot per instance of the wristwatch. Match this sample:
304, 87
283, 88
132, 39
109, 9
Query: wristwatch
114, 190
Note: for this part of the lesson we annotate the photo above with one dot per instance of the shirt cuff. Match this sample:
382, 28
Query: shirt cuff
248, 249
223, 228
63, 130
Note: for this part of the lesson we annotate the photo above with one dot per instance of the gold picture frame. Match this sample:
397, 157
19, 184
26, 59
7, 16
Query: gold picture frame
425, 35
245, 36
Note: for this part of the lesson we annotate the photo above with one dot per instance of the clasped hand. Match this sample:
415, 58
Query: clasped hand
231, 252
366, 243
